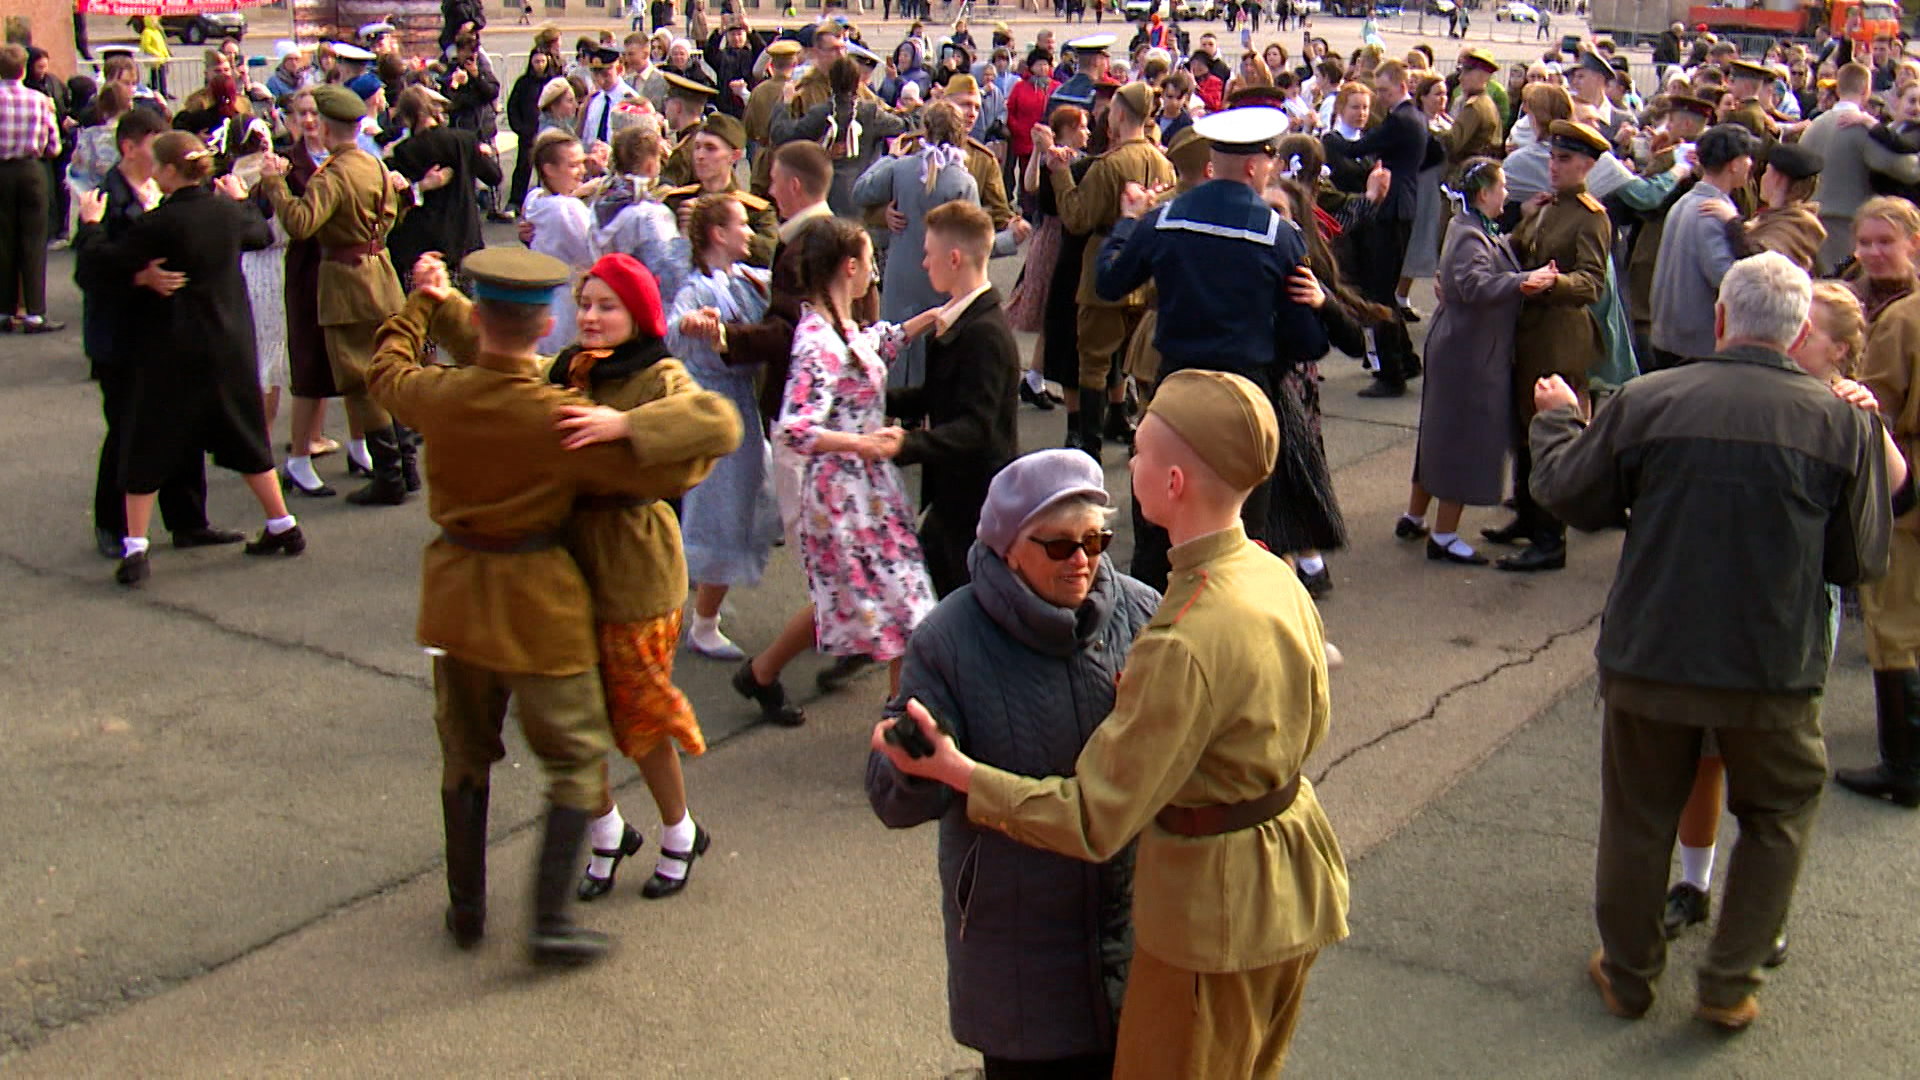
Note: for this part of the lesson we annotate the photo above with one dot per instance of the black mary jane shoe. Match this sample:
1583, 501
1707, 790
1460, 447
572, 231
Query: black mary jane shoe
354, 468
291, 542
593, 888
1318, 584
659, 887
133, 570
1510, 534
1408, 529
288, 483
206, 536
1039, 399
1438, 553
774, 706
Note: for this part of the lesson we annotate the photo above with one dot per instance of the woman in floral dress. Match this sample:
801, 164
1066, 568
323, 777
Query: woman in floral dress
852, 523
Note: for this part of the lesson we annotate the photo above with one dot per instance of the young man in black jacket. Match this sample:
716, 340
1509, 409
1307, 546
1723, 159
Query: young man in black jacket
968, 401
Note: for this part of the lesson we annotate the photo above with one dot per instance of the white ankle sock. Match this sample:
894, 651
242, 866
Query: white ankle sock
1312, 564
677, 837
1453, 543
301, 469
604, 832
1401, 297
1696, 866
706, 635
278, 525
1035, 381
1412, 520
357, 450
132, 545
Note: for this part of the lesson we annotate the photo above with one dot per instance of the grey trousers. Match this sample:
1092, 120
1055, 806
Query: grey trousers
1775, 777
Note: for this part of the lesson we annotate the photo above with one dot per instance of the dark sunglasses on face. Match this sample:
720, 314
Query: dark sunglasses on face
1062, 550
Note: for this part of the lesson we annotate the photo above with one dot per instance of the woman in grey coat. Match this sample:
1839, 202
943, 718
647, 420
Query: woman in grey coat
933, 174
1022, 666
1465, 400
852, 124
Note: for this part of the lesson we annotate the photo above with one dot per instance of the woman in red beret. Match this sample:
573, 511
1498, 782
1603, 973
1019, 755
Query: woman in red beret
630, 552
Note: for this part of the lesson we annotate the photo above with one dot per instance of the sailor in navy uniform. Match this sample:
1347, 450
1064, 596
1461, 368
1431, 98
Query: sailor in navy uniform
1090, 68
1223, 262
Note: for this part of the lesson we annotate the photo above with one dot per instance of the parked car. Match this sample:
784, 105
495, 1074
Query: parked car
1516, 11
1307, 7
202, 26
1202, 10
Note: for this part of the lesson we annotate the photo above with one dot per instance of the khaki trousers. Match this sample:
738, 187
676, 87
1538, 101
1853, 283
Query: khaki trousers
349, 353
1774, 780
1177, 1024
1103, 332
564, 719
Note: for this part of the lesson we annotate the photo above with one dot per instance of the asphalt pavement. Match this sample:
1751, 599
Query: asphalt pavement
223, 837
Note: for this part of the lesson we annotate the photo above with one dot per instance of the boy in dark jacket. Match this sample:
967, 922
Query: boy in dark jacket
968, 402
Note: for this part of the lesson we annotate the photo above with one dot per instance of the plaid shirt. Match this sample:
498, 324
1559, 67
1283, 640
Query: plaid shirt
28, 130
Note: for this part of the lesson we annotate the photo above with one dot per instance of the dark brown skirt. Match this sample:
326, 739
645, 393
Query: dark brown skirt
310, 376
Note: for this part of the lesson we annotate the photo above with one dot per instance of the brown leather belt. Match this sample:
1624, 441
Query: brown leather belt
610, 502
1196, 821
501, 545
353, 253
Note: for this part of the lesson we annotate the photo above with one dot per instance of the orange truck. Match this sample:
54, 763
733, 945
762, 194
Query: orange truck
1640, 20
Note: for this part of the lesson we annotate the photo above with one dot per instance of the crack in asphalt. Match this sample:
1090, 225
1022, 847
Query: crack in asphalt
1370, 422
201, 617
1524, 658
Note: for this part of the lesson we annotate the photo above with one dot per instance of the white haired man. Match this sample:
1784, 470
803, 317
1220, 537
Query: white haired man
1688, 645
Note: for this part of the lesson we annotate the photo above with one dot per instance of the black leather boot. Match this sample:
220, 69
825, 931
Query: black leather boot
389, 486
1896, 696
409, 441
1093, 419
555, 940
465, 813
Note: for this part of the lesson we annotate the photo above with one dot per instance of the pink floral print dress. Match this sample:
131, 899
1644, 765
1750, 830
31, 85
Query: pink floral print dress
865, 573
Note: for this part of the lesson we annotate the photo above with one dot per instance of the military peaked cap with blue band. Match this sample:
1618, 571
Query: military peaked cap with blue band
514, 275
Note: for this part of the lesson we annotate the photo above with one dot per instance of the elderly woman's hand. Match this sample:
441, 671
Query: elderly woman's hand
947, 764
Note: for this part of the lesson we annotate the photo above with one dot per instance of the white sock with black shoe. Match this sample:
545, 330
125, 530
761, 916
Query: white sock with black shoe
1696, 866
357, 453
1453, 544
676, 837
1312, 564
300, 469
132, 545
278, 525
603, 834
1036, 382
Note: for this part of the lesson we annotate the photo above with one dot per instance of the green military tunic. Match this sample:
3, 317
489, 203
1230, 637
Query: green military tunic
1557, 334
762, 102
349, 208
1476, 131
1089, 208
677, 169
760, 216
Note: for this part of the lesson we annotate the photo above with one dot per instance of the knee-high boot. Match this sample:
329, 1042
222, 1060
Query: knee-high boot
1896, 697
465, 813
389, 486
555, 939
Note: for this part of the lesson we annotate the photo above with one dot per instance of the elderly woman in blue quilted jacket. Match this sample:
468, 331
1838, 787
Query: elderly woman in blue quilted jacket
1022, 665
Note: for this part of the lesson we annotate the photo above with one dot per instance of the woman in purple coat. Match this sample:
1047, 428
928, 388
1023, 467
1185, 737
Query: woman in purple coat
1465, 409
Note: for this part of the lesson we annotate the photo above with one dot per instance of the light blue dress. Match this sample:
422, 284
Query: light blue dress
729, 522
905, 290
643, 228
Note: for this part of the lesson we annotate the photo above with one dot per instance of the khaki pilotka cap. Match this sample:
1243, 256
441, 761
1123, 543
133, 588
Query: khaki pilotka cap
1226, 419
339, 104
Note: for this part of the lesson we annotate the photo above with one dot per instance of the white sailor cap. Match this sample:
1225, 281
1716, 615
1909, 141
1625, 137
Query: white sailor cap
284, 48
1243, 131
347, 51
375, 29
1092, 43
863, 54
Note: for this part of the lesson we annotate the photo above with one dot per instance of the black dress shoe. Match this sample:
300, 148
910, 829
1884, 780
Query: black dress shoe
291, 542
659, 886
354, 468
774, 706
206, 536
133, 570
1384, 388
1686, 906
1549, 555
1509, 534
1880, 782
1318, 584
44, 326
593, 888
107, 544
1039, 399
1438, 553
1408, 312
1408, 529
287, 482
380, 493
841, 672
1779, 954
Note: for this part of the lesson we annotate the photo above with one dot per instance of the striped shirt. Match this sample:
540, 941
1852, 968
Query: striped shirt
28, 131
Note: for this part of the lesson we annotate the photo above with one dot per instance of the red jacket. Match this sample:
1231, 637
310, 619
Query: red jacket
1211, 90
1027, 106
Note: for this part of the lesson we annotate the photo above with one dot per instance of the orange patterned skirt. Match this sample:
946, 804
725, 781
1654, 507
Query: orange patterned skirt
643, 705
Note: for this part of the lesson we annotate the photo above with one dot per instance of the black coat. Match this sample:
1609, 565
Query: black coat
197, 369
1400, 143
523, 106
447, 219
104, 291
968, 405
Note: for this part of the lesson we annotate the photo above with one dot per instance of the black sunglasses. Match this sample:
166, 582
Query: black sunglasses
1062, 550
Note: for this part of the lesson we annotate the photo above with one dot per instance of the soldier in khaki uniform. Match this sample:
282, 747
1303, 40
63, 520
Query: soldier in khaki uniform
963, 92
1089, 208
1744, 84
349, 207
500, 599
1557, 333
686, 105
1223, 698
765, 99
1476, 131
716, 146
